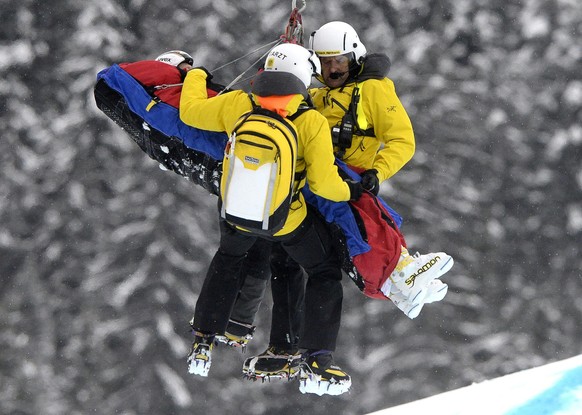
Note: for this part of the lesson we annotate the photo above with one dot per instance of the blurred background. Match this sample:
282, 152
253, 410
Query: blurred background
102, 254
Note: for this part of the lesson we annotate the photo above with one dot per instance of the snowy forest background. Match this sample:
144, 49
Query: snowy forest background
102, 254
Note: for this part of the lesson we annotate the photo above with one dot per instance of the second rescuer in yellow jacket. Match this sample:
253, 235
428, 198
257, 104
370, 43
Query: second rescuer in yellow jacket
277, 92
382, 138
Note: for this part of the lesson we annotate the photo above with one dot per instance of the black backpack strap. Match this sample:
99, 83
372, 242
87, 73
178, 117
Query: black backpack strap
299, 175
253, 103
296, 114
247, 115
352, 109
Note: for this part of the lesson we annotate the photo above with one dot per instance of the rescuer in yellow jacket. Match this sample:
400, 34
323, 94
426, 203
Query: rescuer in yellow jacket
305, 237
370, 128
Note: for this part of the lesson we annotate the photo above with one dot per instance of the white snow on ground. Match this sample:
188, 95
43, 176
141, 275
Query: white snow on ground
552, 389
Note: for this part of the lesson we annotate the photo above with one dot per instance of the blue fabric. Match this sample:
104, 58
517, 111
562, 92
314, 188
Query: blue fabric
355, 176
341, 214
161, 116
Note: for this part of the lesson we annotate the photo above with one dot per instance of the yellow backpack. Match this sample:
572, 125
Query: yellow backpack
258, 181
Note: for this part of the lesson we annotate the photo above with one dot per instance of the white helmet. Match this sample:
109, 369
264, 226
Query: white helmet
337, 38
175, 57
293, 59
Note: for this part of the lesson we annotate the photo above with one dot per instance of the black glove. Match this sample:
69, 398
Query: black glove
208, 74
356, 189
370, 181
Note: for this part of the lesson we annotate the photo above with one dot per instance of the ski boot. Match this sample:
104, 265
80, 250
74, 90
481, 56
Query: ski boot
200, 357
237, 335
436, 291
413, 274
273, 363
321, 376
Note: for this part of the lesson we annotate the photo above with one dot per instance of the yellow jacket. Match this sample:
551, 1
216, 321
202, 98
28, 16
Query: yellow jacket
314, 148
379, 108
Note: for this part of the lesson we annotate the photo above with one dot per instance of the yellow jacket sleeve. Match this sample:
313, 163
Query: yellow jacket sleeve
219, 113
322, 174
391, 124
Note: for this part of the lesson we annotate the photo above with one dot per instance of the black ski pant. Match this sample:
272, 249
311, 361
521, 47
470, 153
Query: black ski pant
310, 245
288, 291
256, 273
